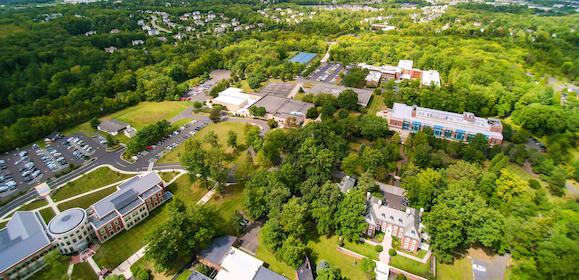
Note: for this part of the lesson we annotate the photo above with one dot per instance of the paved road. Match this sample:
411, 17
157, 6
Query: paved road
102, 157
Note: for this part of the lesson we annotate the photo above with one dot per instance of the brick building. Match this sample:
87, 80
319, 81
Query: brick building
447, 125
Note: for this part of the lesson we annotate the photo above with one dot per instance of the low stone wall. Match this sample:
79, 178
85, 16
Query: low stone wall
349, 253
406, 273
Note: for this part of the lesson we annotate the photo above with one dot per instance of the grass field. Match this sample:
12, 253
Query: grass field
149, 266
221, 129
121, 246
98, 178
52, 272
3, 224
461, 269
226, 204
83, 271
420, 269
168, 176
362, 248
47, 214
34, 205
376, 104
87, 200
322, 248
137, 116
146, 113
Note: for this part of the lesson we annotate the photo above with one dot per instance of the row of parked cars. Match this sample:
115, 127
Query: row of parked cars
52, 158
79, 147
6, 180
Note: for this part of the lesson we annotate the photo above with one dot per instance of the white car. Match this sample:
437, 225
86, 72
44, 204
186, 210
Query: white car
479, 267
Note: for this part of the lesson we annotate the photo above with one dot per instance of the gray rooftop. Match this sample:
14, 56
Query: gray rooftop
364, 95
305, 272
283, 106
218, 249
406, 219
112, 125
66, 220
24, 235
347, 183
198, 276
128, 192
265, 274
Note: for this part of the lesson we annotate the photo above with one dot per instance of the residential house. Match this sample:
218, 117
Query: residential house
404, 225
447, 125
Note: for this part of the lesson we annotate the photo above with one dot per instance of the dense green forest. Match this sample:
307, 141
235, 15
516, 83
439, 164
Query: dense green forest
502, 63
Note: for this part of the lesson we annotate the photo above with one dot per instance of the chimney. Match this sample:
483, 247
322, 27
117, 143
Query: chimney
414, 107
468, 116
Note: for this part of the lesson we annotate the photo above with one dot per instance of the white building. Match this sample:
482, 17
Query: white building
430, 77
235, 100
70, 231
238, 265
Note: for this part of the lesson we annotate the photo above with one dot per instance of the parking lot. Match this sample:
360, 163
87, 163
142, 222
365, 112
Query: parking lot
28, 166
199, 93
156, 151
328, 73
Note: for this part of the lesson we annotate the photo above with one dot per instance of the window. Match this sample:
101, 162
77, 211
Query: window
405, 125
448, 133
416, 126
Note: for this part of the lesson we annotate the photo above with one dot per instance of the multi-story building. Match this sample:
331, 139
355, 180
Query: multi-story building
23, 244
447, 125
404, 225
129, 205
70, 231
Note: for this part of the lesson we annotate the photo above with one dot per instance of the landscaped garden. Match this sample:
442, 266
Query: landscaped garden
412, 266
96, 179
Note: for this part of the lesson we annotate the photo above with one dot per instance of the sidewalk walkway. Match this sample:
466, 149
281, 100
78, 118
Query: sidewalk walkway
52, 205
386, 245
94, 265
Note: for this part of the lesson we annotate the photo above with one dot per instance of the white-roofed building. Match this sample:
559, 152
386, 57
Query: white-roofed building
238, 265
405, 64
451, 126
373, 78
234, 99
430, 77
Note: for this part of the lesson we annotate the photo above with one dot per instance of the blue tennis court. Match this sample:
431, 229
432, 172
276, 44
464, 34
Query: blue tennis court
303, 57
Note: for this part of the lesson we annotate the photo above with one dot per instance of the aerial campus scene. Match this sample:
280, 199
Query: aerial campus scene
294, 139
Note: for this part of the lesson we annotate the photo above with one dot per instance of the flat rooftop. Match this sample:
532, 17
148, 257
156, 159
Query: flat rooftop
364, 95
281, 89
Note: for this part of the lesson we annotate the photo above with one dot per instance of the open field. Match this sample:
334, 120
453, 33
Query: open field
221, 129
149, 266
137, 116
461, 269
98, 178
120, 247
47, 214
52, 272
362, 248
87, 200
34, 205
168, 176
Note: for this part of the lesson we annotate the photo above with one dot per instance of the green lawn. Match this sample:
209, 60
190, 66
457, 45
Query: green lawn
168, 176
412, 266
221, 129
376, 104
98, 178
322, 248
362, 248
34, 205
120, 247
83, 271
146, 113
47, 214
185, 275
226, 204
87, 200
3, 224
461, 269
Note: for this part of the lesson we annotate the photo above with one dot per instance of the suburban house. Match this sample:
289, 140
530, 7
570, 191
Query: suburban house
281, 109
129, 205
403, 71
447, 125
234, 264
23, 243
405, 225
112, 127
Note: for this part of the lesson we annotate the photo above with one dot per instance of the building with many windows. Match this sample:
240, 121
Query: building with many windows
69, 230
129, 205
447, 125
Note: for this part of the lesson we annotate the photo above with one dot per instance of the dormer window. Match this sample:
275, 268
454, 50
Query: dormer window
400, 220
392, 218
383, 215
